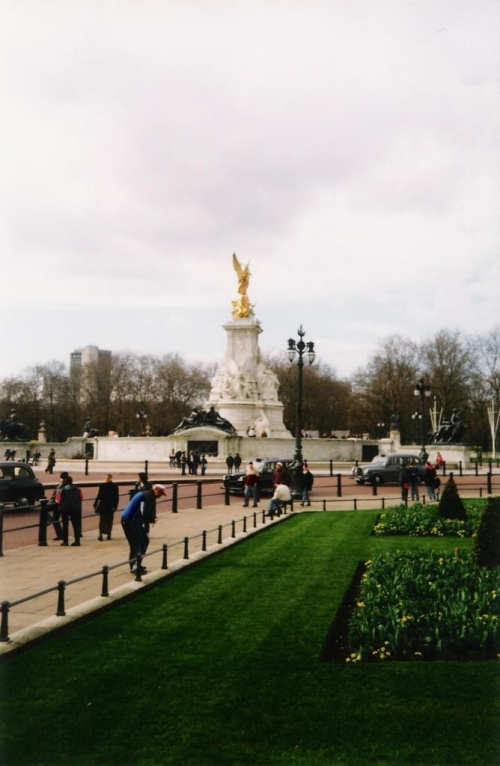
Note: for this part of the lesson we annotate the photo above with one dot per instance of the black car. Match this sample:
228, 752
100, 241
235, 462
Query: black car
19, 485
235, 482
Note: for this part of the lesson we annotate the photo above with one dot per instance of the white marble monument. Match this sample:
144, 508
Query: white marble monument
245, 389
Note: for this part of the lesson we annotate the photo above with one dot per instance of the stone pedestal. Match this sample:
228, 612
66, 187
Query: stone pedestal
245, 389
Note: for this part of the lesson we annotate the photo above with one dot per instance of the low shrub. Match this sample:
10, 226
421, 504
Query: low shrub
426, 605
487, 542
450, 504
424, 521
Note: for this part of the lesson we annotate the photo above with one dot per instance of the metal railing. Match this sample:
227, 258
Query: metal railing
206, 489
104, 572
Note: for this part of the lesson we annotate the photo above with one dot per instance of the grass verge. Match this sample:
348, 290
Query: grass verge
220, 667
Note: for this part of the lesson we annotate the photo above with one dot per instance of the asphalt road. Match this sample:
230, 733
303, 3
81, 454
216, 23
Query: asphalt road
21, 525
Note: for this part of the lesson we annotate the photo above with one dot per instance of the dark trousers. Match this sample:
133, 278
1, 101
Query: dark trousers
76, 522
251, 491
137, 539
54, 518
106, 521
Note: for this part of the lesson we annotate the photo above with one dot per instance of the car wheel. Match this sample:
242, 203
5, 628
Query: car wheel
24, 501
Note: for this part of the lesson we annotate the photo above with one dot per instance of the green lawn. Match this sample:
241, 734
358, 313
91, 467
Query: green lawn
219, 666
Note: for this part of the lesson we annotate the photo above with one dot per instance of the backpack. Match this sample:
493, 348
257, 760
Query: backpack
149, 507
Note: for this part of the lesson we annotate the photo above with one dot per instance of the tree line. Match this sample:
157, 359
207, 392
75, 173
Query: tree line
138, 393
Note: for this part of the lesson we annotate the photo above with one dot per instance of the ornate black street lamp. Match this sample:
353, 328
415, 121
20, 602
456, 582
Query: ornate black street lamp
422, 390
297, 350
142, 417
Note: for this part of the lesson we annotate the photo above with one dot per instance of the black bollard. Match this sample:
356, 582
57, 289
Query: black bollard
164, 563
488, 482
244, 523
4, 627
227, 499
219, 539
175, 488
339, 485
86, 466
146, 464
233, 528
331, 467
186, 548
198, 496
105, 587
204, 541
42, 523
61, 585
374, 487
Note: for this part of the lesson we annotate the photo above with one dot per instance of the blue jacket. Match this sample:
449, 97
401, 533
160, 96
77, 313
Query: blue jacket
133, 509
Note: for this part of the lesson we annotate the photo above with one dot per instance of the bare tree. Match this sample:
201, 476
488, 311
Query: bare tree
385, 388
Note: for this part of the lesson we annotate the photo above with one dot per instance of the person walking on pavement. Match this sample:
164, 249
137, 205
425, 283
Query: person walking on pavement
306, 480
404, 482
430, 480
70, 502
414, 479
251, 484
51, 461
105, 505
183, 462
237, 462
133, 528
54, 510
230, 463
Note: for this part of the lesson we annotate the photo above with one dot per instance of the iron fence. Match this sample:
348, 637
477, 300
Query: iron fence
185, 544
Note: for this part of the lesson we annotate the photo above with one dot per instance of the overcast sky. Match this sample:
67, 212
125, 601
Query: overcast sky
347, 148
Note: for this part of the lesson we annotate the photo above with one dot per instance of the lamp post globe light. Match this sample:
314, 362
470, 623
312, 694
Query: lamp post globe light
297, 350
142, 417
423, 391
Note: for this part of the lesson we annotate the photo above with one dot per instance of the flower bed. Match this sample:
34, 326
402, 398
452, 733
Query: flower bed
423, 521
426, 605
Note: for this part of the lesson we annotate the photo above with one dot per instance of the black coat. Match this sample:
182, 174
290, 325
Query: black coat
107, 497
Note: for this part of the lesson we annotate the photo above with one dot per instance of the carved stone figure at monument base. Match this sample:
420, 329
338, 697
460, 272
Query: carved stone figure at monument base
11, 430
200, 417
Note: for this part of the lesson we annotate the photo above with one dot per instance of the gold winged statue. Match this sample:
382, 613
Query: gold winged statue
242, 307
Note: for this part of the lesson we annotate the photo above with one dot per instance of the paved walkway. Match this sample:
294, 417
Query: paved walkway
31, 569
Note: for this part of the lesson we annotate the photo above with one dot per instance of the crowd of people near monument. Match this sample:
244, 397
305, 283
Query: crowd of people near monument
410, 478
190, 462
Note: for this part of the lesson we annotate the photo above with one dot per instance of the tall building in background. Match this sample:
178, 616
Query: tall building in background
89, 369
